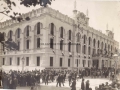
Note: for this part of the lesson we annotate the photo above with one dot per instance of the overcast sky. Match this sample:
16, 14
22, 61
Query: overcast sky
100, 13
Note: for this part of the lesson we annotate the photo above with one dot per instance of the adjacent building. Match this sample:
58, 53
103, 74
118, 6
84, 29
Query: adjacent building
53, 40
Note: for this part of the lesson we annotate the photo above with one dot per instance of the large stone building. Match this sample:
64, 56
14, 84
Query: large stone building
53, 40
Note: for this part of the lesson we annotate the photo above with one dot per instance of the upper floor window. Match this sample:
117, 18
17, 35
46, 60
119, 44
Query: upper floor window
78, 37
69, 46
94, 42
51, 43
98, 43
27, 44
18, 33
85, 39
38, 28
52, 29
61, 45
89, 40
61, 32
70, 33
27, 31
10, 34
38, 42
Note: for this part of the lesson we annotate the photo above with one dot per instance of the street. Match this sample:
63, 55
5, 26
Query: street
52, 86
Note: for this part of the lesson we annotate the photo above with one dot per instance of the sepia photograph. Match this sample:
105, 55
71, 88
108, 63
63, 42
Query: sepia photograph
60, 44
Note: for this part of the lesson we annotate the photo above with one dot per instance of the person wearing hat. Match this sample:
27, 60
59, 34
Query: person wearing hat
87, 85
82, 85
73, 85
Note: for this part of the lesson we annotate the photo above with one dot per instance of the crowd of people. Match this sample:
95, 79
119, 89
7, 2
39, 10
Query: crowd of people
29, 78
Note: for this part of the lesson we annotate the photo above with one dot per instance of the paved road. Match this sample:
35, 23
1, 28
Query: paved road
52, 86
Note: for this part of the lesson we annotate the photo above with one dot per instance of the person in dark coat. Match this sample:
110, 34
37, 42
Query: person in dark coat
46, 79
15, 82
73, 85
58, 81
69, 79
82, 85
10, 83
87, 85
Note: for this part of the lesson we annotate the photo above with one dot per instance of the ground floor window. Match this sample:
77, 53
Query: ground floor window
10, 61
38, 61
60, 62
18, 61
89, 63
68, 62
83, 63
3, 61
27, 61
51, 61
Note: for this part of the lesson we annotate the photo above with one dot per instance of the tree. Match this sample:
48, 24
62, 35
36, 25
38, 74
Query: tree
10, 4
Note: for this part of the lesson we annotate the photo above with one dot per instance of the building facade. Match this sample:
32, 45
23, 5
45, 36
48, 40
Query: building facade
53, 40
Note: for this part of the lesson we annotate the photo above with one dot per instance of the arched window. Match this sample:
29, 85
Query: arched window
18, 33
78, 37
98, 43
10, 34
51, 43
61, 45
105, 46
69, 46
89, 40
89, 51
78, 48
94, 42
84, 39
52, 29
84, 49
102, 45
61, 32
38, 42
27, 31
38, 28
70, 33
108, 47
111, 47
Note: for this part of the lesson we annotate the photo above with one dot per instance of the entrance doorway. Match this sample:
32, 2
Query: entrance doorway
95, 64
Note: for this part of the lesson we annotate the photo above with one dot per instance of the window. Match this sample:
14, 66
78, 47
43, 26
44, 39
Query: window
60, 62
61, 32
10, 61
18, 45
77, 62
38, 28
51, 43
3, 47
77, 48
27, 44
27, 61
89, 40
27, 32
38, 42
18, 61
52, 29
68, 62
88, 63
89, 50
84, 49
69, 46
69, 34
84, 39
3, 61
51, 61
18, 33
83, 63
94, 42
10, 34
78, 37
61, 45
38, 61
98, 44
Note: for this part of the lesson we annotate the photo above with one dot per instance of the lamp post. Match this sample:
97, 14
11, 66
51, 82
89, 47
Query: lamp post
115, 65
23, 60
